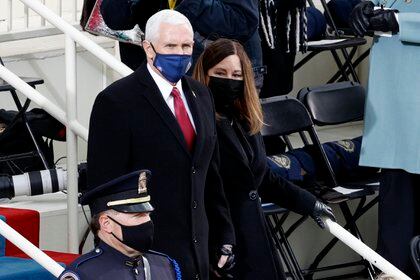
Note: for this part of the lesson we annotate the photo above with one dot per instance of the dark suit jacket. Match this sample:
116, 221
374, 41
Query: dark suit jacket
244, 180
132, 128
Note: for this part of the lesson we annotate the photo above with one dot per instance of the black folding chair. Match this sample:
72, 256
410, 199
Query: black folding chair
285, 116
37, 153
335, 104
347, 65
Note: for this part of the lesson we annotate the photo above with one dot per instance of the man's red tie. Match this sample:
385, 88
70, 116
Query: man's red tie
183, 119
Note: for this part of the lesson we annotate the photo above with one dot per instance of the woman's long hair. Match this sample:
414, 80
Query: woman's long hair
248, 106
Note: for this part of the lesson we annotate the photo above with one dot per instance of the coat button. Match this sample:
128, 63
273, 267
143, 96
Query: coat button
193, 170
194, 204
197, 276
195, 240
253, 195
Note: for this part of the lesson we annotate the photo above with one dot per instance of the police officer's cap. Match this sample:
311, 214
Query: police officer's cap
126, 194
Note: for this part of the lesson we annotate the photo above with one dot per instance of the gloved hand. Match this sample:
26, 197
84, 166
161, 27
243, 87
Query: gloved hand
385, 21
226, 261
359, 17
322, 211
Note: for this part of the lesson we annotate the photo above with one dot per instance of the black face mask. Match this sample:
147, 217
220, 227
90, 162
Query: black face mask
225, 92
138, 237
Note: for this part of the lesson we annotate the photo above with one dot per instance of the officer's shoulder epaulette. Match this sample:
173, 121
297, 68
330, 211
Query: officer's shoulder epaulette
88, 256
174, 263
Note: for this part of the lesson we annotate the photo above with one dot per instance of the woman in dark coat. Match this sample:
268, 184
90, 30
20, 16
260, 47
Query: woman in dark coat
226, 69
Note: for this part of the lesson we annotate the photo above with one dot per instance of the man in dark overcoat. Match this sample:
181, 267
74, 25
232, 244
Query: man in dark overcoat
156, 118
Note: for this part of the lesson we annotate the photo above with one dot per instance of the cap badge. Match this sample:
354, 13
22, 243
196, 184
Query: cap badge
142, 183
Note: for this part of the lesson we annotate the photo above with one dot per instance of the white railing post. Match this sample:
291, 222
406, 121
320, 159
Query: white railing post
60, 8
42, 18
72, 174
104, 69
10, 15
26, 16
74, 10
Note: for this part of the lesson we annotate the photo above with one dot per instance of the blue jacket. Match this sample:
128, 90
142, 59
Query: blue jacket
392, 121
104, 262
233, 19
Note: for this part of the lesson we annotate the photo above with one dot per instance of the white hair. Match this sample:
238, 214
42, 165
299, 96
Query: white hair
167, 16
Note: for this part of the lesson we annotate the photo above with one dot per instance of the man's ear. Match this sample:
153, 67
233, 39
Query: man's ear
147, 47
105, 223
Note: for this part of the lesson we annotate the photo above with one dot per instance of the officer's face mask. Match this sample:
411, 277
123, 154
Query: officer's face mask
225, 92
172, 66
139, 237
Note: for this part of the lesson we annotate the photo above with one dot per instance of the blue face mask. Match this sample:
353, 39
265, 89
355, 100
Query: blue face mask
172, 66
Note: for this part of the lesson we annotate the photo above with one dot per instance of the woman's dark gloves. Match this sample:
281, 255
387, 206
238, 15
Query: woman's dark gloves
321, 211
365, 18
360, 16
224, 272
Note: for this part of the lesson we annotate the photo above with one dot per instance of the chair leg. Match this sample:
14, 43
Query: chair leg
287, 256
340, 65
356, 62
350, 66
289, 249
277, 241
27, 126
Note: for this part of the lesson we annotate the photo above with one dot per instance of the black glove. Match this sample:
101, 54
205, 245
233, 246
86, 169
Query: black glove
359, 17
322, 211
224, 271
385, 21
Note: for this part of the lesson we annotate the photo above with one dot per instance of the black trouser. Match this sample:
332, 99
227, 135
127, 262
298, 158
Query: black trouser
399, 214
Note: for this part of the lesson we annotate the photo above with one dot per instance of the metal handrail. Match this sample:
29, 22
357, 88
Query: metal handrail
69, 116
30, 249
359, 247
42, 101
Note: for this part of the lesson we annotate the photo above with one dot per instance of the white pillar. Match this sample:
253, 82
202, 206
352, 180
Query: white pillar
10, 15
72, 175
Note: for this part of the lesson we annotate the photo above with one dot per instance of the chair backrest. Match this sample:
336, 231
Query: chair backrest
334, 103
284, 116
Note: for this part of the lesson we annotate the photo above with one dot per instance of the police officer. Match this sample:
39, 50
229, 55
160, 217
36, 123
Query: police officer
122, 226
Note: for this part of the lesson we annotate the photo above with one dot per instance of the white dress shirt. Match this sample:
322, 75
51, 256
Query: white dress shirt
165, 89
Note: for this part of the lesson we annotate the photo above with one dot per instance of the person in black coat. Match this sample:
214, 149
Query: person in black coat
225, 68
135, 124
233, 19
